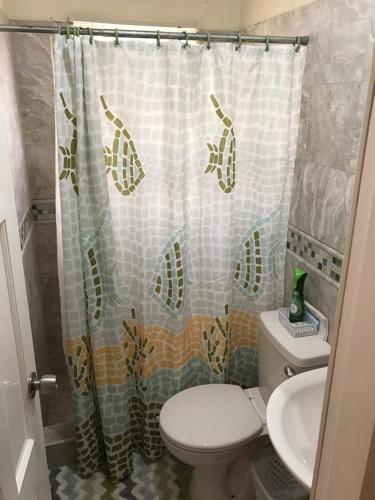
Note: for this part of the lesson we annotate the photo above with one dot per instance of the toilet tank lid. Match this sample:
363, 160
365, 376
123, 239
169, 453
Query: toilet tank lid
302, 352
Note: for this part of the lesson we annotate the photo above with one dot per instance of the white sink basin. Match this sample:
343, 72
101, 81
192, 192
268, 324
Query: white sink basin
293, 419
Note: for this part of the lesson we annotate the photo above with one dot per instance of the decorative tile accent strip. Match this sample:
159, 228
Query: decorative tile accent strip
40, 211
25, 227
323, 258
43, 210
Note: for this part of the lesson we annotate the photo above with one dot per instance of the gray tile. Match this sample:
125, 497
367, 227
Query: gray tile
304, 196
38, 119
330, 124
347, 10
341, 42
39, 258
57, 406
41, 166
349, 193
33, 63
49, 296
372, 19
34, 292
320, 202
343, 49
341, 38
46, 248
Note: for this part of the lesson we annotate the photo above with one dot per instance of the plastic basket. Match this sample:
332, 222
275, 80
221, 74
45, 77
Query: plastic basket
272, 481
309, 326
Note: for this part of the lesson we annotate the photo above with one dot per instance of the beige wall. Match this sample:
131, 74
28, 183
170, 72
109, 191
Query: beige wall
368, 487
229, 15
254, 11
204, 14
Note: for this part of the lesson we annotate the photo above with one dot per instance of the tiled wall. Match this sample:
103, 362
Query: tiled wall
333, 96
38, 238
18, 166
34, 78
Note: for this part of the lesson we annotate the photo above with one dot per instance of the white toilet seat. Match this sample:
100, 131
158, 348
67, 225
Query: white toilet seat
205, 451
209, 418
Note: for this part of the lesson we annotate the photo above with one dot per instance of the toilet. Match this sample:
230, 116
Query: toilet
217, 428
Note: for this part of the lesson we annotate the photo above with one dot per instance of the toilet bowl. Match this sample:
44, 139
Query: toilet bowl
216, 428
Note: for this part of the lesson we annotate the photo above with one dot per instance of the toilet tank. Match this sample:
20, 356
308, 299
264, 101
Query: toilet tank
277, 349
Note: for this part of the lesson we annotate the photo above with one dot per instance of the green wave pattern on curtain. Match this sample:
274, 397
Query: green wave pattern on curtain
175, 172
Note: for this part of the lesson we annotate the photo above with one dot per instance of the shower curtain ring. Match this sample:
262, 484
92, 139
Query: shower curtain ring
68, 32
158, 39
59, 29
298, 42
238, 46
117, 43
186, 44
91, 36
208, 41
267, 43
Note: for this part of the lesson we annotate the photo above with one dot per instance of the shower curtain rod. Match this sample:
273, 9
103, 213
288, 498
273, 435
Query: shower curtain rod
162, 35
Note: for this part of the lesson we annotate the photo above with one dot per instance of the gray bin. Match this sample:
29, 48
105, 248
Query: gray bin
272, 480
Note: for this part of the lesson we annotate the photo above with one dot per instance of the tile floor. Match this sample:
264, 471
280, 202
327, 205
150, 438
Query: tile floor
165, 480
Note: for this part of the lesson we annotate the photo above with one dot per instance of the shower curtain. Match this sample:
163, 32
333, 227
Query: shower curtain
175, 168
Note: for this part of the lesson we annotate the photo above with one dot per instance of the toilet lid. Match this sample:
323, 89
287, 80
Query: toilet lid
209, 417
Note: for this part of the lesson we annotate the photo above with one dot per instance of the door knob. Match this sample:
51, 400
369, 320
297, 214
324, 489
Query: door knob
45, 384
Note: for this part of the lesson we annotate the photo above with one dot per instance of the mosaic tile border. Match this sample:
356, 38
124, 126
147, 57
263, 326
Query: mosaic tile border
43, 210
321, 257
25, 227
40, 211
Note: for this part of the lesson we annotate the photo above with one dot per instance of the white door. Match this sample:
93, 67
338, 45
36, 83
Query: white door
23, 465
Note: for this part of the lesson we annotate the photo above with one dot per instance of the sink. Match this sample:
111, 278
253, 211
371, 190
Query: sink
293, 419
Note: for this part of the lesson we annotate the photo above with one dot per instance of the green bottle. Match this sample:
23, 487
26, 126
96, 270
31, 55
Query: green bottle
297, 306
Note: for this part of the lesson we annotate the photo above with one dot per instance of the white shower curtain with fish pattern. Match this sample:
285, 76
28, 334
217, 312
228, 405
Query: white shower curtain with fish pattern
175, 168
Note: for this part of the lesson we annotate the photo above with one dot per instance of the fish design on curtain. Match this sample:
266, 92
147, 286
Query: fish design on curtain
69, 153
163, 268
223, 156
122, 159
